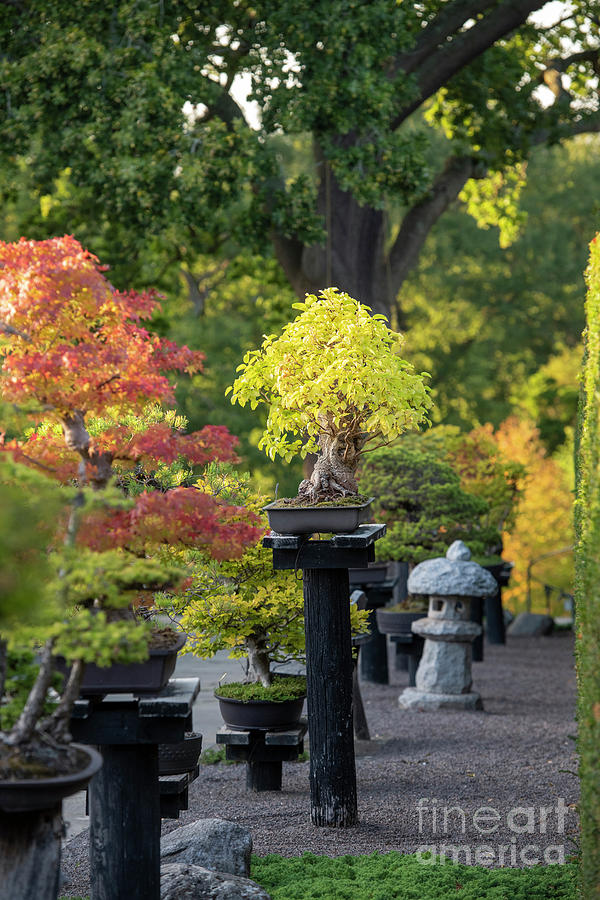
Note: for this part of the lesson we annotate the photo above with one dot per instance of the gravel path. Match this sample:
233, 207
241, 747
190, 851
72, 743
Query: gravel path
519, 752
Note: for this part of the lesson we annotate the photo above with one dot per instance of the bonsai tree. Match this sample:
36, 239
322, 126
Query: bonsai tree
420, 498
78, 360
243, 605
335, 386
484, 471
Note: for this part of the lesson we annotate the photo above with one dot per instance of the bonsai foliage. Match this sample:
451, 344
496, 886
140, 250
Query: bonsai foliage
336, 386
77, 358
243, 605
420, 498
486, 468
587, 597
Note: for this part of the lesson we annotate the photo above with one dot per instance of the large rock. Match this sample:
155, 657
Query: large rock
212, 843
531, 625
179, 881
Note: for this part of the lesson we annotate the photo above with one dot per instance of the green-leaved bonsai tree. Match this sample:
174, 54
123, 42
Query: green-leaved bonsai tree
336, 386
421, 500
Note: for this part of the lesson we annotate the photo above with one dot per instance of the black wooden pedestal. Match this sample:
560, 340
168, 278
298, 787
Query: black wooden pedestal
373, 653
329, 666
125, 795
263, 752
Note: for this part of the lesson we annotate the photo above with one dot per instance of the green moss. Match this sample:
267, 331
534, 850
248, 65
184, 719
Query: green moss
394, 876
214, 756
284, 687
408, 606
299, 503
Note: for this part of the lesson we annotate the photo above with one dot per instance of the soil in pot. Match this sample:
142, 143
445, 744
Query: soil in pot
38, 776
398, 619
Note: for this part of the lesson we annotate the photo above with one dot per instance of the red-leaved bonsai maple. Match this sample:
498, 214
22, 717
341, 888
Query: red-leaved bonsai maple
78, 359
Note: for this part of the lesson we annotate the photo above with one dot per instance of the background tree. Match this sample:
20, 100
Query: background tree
500, 331
76, 356
136, 100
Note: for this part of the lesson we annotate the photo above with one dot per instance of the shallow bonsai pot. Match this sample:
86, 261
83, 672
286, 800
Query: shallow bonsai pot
260, 715
308, 519
29, 794
147, 677
393, 622
174, 759
374, 573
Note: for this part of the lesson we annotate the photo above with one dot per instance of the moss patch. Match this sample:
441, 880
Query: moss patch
284, 687
394, 876
299, 503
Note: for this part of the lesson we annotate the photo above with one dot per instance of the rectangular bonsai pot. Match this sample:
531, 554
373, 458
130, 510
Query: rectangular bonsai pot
374, 573
308, 519
147, 677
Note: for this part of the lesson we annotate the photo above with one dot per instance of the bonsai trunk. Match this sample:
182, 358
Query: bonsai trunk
24, 728
334, 474
259, 668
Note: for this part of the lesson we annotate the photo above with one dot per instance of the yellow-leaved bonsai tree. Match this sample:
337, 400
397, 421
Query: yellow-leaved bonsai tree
336, 386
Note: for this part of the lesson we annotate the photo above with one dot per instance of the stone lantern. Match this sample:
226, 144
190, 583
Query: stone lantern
443, 679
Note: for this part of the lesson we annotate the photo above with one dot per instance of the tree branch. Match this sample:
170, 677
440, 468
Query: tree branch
448, 21
586, 124
438, 66
551, 76
5, 328
419, 220
24, 727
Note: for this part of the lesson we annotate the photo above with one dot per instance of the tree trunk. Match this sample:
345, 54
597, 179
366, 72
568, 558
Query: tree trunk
24, 727
258, 661
30, 854
334, 473
355, 258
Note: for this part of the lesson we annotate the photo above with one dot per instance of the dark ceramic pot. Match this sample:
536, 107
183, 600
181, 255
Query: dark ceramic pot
374, 573
174, 759
147, 677
308, 519
260, 715
392, 622
28, 794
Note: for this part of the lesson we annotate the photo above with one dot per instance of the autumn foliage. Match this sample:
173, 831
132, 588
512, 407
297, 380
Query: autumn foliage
543, 522
78, 358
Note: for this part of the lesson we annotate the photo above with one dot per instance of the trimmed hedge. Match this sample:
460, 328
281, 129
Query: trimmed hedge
587, 587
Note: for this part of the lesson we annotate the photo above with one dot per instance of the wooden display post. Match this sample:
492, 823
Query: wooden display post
373, 653
125, 795
325, 565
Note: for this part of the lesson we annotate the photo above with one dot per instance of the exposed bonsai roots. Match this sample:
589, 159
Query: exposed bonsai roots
334, 474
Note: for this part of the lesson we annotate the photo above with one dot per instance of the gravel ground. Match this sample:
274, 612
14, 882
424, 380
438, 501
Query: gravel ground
518, 753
